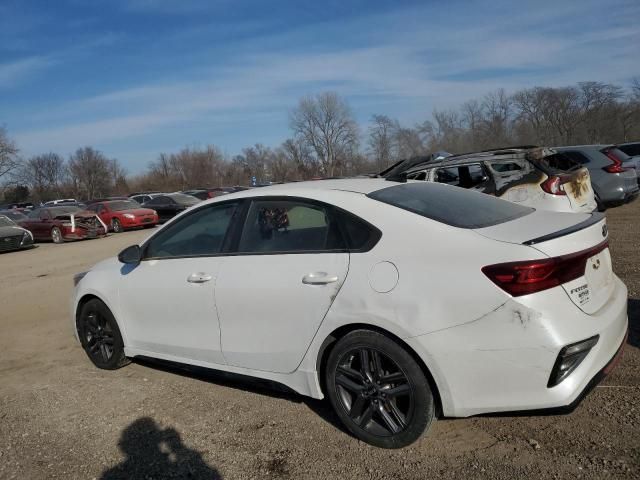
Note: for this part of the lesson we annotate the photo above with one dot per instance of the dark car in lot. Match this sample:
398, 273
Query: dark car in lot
14, 214
613, 173
63, 223
206, 193
170, 204
120, 215
13, 237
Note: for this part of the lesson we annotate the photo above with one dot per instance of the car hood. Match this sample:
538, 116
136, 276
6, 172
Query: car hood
11, 231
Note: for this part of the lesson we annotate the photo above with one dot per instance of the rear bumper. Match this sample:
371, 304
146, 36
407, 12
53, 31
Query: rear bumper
502, 362
137, 222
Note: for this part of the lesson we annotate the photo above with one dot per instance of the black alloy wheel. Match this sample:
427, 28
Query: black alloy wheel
378, 390
100, 336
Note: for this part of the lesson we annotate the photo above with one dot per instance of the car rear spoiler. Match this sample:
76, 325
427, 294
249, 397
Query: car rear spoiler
595, 218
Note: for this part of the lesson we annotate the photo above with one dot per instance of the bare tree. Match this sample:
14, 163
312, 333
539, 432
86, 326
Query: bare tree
381, 140
44, 174
8, 154
90, 172
325, 123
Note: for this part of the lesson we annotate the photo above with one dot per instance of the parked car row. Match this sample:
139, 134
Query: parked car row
68, 219
566, 179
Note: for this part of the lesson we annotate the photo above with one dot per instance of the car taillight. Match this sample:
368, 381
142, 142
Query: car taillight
616, 166
531, 276
553, 185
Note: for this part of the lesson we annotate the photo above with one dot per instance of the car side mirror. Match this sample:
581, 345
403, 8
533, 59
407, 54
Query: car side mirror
131, 255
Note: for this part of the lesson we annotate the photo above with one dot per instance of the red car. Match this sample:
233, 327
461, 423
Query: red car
60, 224
120, 215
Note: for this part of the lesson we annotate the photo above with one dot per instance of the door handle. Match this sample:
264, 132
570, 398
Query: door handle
319, 278
199, 277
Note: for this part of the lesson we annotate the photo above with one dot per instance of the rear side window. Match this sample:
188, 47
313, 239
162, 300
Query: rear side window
453, 206
506, 167
289, 226
632, 149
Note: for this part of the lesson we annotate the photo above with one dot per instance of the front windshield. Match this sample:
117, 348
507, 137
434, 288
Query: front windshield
6, 222
119, 205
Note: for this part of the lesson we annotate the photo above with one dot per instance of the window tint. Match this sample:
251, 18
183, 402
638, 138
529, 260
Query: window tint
559, 162
359, 234
44, 214
632, 149
465, 176
577, 157
201, 233
289, 226
158, 200
453, 206
506, 167
34, 214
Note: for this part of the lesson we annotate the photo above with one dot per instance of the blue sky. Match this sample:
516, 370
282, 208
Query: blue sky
137, 77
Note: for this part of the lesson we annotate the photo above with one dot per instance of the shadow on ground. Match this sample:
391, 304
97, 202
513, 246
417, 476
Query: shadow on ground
634, 322
322, 408
157, 453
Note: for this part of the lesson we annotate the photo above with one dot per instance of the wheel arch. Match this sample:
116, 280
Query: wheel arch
83, 301
331, 340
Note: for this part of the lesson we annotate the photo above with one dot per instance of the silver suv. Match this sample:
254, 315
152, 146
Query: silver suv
613, 176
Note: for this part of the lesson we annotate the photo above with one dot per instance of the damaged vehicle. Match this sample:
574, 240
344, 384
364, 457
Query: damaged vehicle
397, 301
121, 215
535, 177
63, 223
13, 237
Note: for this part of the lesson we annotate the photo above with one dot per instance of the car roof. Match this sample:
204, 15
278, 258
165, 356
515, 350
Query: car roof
354, 185
598, 146
525, 153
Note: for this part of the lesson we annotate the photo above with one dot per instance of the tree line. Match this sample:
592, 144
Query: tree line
326, 141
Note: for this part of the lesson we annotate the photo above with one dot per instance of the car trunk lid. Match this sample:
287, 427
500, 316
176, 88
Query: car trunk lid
566, 236
577, 186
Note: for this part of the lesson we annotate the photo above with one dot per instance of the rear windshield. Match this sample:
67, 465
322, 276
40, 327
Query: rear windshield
453, 206
632, 149
558, 163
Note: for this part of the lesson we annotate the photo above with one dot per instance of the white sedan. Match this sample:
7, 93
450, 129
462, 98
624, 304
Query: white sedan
397, 301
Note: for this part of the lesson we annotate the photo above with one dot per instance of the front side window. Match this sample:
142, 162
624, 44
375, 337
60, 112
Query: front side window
465, 176
289, 226
201, 233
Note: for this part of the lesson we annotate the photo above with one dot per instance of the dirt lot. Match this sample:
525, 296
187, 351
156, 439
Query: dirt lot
62, 418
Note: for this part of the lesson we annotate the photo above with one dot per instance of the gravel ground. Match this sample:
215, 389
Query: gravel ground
62, 418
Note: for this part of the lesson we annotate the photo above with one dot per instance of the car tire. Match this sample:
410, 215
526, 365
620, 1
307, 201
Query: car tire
378, 390
116, 226
56, 235
100, 336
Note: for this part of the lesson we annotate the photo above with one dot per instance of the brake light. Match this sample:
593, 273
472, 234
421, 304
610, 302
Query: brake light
531, 276
616, 166
553, 185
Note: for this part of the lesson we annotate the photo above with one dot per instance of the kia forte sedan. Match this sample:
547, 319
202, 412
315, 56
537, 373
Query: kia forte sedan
397, 301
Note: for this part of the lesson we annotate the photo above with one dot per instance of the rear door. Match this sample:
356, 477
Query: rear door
273, 294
